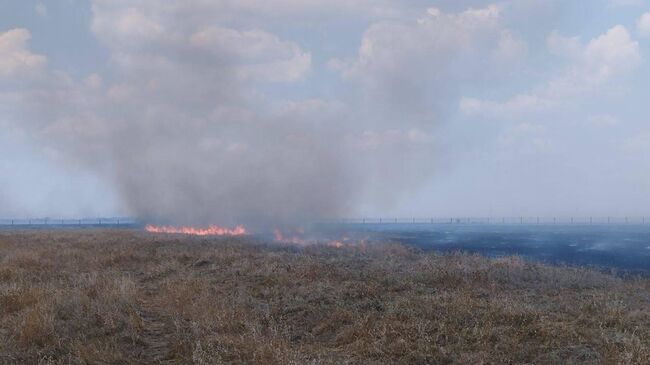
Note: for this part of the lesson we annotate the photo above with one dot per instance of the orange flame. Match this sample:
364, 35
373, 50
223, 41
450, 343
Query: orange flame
293, 240
210, 231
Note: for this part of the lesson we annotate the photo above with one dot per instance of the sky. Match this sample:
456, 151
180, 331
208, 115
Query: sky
196, 111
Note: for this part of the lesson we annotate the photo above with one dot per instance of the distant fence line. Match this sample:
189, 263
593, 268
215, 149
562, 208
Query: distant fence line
127, 221
496, 220
112, 221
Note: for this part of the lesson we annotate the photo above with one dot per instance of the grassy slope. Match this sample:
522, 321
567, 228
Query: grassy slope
116, 297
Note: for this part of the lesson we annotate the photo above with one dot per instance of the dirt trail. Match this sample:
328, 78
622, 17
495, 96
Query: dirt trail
157, 328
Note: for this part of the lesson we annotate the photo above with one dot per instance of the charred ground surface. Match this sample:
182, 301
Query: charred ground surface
124, 297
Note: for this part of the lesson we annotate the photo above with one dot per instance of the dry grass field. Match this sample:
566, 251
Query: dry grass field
125, 297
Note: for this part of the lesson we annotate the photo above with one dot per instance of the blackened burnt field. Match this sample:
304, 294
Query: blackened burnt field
125, 297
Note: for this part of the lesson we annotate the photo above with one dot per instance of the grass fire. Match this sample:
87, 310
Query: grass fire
211, 230
324, 182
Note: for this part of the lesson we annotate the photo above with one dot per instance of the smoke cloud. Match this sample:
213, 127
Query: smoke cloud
188, 128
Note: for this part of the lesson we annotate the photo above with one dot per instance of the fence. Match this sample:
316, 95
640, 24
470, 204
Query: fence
126, 221
67, 222
498, 220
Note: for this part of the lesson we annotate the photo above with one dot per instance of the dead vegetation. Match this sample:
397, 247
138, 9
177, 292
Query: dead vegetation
124, 297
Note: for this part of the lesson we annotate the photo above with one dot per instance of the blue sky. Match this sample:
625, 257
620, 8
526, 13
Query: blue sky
214, 111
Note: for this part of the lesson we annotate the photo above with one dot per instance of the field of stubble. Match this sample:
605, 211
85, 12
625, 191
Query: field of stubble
125, 297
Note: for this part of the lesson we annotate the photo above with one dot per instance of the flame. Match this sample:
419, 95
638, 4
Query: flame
292, 240
212, 230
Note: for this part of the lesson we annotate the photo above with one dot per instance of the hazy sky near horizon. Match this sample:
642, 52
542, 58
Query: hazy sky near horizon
367, 107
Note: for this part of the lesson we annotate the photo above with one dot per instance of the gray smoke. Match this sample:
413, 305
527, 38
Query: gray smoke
189, 128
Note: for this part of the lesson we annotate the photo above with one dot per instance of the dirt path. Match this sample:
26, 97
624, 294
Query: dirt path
157, 328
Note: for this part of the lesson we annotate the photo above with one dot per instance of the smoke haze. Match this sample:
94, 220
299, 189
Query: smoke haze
242, 112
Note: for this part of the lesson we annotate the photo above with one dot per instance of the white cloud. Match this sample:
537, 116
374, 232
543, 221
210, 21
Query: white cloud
15, 56
259, 54
150, 39
415, 67
435, 37
610, 55
603, 61
643, 25
125, 26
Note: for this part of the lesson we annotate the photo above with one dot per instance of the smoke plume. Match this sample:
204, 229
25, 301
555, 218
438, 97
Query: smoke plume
192, 124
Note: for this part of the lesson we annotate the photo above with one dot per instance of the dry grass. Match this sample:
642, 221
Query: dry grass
123, 297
